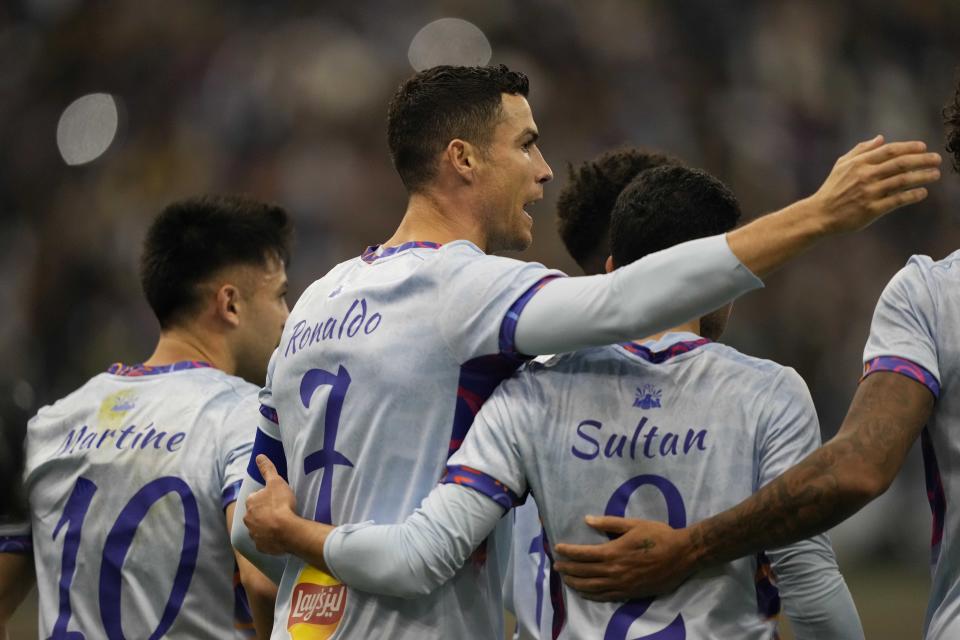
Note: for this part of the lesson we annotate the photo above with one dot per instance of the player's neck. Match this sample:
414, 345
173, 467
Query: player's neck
429, 218
689, 327
179, 344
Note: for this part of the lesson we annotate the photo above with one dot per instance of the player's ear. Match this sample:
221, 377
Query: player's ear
229, 304
462, 157
608, 266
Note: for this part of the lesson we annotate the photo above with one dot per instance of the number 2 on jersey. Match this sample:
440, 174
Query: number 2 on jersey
627, 613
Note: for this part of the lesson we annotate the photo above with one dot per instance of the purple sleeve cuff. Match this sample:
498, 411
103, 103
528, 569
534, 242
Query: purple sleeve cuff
229, 495
904, 367
269, 413
271, 448
22, 544
479, 481
508, 328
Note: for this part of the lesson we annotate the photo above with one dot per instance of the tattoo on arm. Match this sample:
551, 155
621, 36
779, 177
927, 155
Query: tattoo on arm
832, 483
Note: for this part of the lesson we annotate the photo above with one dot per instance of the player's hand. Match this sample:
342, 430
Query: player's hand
647, 558
269, 510
873, 179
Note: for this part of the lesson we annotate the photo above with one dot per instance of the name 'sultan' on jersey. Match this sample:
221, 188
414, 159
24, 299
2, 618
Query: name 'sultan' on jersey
304, 335
648, 441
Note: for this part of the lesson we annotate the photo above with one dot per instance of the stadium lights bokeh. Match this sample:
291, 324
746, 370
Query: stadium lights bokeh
87, 127
449, 41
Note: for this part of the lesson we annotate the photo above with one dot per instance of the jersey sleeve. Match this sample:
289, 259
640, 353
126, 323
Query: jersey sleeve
237, 438
414, 557
15, 537
480, 299
266, 441
814, 594
491, 460
902, 334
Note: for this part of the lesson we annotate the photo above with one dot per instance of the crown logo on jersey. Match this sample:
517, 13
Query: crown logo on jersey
648, 397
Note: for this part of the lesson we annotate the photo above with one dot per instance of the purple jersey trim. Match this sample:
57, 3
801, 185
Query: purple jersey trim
904, 367
508, 328
270, 414
22, 544
242, 615
273, 449
557, 603
935, 493
374, 253
478, 378
479, 481
229, 495
137, 370
657, 357
768, 596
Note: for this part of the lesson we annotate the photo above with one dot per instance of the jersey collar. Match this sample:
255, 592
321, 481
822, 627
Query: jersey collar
377, 251
137, 370
669, 346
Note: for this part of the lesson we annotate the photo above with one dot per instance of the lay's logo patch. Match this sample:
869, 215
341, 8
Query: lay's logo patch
316, 605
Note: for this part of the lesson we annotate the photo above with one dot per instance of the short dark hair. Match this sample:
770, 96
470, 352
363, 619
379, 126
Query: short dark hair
584, 205
666, 206
440, 104
951, 118
194, 238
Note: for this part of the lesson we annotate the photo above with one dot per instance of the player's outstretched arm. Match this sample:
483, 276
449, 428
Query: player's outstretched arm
402, 560
689, 280
828, 486
16, 580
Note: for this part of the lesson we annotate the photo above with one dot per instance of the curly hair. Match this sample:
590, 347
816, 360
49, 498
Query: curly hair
442, 103
584, 205
951, 118
666, 206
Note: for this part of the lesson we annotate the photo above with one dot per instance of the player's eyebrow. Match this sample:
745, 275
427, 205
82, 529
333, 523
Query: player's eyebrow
533, 134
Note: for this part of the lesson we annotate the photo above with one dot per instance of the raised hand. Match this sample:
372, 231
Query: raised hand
269, 510
873, 179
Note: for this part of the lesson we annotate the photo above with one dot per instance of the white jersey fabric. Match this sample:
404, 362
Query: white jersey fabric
127, 479
382, 366
915, 333
527, 584
674, 430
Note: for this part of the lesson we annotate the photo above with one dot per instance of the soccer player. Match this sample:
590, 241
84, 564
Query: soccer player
583, 221
133, 477
673, 424
386, 359
908, 390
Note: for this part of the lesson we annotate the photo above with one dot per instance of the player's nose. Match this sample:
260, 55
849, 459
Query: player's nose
544, 172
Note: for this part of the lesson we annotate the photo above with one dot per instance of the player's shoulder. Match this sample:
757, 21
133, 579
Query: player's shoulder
739, 363
328, 281
463, 253
77, 400
924, 270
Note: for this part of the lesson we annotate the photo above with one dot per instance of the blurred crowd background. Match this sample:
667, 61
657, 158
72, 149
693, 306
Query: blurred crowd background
110, 110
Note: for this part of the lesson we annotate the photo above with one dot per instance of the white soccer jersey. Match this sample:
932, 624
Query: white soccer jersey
674, 430
381, 368
528, 581
128, 478
915, 333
